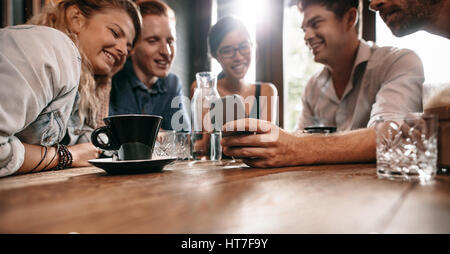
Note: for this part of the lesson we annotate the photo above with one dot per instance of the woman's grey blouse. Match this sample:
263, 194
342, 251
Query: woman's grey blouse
39, 75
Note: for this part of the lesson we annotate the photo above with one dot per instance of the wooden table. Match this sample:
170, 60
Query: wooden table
225, 197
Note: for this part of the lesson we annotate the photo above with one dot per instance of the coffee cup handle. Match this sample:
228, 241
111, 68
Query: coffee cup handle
111, 145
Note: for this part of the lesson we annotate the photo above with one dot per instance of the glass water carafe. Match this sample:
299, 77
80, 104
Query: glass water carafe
206, 133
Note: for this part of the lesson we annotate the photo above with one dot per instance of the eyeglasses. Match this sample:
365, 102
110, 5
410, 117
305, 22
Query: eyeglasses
229, 52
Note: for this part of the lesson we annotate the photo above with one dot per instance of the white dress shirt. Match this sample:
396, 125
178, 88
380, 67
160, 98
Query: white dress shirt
383, 80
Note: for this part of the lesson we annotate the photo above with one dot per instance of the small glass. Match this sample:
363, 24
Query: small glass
407, 146
165, 144
183, 145
172, 144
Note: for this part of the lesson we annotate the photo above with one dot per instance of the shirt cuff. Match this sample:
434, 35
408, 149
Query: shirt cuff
12, 155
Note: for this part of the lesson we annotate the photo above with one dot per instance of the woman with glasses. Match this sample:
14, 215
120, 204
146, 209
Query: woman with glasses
230, 44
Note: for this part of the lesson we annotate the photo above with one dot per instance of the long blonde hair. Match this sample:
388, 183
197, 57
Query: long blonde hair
55, 16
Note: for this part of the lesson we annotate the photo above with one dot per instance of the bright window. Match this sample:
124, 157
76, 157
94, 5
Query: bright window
298, 65
432, 49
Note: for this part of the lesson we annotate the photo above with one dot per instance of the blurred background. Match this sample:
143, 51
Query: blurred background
281, 58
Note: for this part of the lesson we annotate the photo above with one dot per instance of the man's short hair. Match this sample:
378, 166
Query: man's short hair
155, 7
339, 7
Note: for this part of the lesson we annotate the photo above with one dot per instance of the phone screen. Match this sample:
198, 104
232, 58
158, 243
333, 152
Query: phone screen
232, 109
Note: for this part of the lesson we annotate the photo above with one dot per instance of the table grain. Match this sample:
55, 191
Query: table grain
223, 197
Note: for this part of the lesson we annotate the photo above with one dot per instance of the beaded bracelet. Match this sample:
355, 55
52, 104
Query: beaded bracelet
62, 163
65, 157
69, 154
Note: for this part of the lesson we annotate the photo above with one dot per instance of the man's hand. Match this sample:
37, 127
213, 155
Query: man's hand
270, 146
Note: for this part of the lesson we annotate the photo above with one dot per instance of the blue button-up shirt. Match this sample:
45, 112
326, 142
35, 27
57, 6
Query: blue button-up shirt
165, 98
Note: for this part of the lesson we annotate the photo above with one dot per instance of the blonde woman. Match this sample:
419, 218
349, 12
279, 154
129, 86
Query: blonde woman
79, 42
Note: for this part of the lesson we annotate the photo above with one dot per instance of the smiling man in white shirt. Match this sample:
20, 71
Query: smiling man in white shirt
359, 82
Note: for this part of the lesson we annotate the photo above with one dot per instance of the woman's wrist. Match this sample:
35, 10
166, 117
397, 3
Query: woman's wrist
52, 160
65, 157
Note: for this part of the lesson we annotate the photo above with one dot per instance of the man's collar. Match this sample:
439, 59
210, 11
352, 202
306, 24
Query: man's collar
158, 87
363, 54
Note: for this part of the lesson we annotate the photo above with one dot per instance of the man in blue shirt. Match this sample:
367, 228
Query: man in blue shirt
144, 85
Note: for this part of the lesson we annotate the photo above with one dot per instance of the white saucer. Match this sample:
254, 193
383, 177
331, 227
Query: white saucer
133, 166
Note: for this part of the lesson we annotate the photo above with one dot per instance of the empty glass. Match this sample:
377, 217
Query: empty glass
183, 145
407, 146
171, 144
165, 144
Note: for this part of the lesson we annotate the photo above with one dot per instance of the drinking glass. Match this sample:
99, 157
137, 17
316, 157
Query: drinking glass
407, 146
183, 145
165, 144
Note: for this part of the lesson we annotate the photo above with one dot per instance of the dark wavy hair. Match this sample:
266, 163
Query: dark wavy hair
339, 7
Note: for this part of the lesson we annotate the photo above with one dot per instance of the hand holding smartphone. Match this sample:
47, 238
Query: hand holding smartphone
233, 109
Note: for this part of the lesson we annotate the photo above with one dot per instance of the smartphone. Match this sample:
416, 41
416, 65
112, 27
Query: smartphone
320, 129
233, 109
